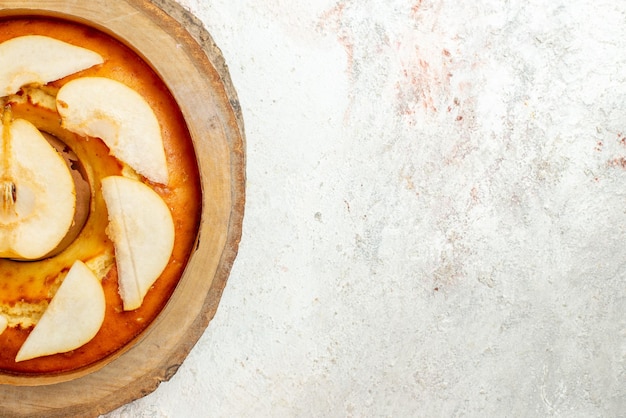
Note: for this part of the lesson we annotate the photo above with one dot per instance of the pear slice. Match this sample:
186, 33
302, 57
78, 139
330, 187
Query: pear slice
142, 230
4, 322
72, 319
83, 191
121, 117
40, 59
37, 193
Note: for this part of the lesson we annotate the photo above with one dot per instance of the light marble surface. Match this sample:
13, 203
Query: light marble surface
436, 213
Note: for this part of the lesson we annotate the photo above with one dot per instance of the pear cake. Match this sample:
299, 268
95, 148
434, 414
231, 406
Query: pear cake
101, 196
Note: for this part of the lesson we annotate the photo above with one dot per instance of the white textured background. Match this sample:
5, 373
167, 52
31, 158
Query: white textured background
436, 213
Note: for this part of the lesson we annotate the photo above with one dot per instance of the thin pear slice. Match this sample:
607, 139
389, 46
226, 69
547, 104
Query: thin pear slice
121, 117
37, 192
72, 319
4, 323
142, 230
40, 59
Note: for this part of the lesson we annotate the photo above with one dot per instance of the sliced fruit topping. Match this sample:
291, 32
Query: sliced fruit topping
37, 192
121, 117
82, 186
72, 319
142, 230
36, 59
4, 322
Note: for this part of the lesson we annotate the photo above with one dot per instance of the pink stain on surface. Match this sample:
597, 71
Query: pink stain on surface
617, 161
415, 9
334, 19
415, 66
427, 62
424, 80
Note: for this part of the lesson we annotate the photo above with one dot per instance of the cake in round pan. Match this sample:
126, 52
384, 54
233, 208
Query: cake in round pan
28, 286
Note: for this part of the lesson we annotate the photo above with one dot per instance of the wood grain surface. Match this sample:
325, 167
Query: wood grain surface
187, 59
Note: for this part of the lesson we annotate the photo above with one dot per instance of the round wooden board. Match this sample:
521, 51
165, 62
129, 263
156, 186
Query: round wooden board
186, 58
